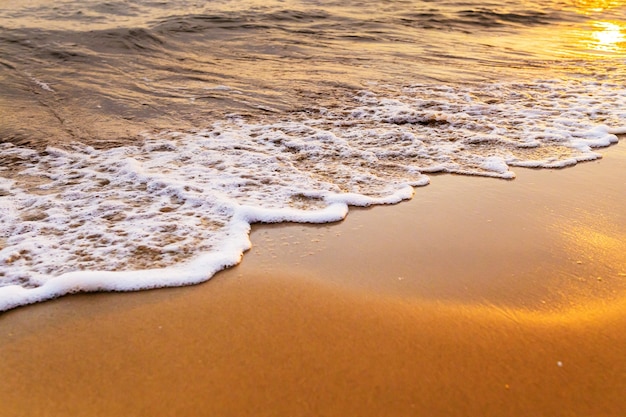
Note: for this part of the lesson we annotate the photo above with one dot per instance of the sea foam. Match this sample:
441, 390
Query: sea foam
177, 207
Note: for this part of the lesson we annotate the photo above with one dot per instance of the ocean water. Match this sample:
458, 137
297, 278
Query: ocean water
139, 140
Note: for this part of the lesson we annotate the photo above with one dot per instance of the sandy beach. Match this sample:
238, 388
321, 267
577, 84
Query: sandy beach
479, 297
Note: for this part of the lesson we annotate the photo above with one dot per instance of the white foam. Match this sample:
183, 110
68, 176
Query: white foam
177, 208
41, 84
496, 165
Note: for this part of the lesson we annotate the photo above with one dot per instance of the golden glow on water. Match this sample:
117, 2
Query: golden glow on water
596, 6
595, 38
601, 35
608, 37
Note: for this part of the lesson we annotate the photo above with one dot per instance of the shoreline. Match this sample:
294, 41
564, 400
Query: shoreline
477, 297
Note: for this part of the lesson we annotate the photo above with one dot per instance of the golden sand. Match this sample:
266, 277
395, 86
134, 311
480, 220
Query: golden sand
480, 297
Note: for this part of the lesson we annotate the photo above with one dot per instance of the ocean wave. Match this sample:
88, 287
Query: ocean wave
177, 207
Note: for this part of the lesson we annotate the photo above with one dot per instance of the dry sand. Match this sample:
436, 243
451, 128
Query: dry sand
480, 297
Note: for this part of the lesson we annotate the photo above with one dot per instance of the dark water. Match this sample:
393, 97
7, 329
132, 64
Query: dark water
139, 140
116, 68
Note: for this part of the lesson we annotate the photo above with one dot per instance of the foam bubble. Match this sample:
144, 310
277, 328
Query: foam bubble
177, 207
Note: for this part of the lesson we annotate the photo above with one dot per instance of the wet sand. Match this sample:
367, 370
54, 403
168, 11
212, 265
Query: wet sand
480, 297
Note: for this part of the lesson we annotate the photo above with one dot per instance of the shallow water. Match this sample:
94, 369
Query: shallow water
139, 135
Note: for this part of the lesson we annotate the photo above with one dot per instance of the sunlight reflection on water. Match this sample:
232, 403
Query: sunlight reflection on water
596, 6
608, 37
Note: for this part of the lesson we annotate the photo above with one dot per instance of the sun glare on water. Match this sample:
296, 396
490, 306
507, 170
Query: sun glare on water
595, 6
608, 37
602, 35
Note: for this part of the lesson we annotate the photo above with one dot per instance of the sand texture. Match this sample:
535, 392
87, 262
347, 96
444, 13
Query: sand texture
480, 297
